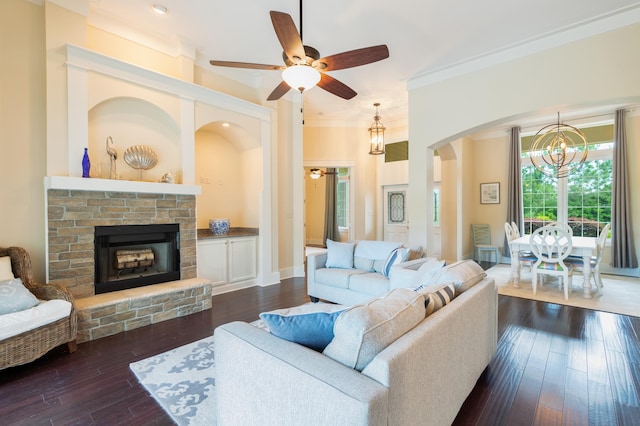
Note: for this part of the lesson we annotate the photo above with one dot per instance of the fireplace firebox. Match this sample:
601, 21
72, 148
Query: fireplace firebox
129, 256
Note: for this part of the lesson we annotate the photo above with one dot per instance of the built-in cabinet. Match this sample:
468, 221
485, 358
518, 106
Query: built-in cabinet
230, 263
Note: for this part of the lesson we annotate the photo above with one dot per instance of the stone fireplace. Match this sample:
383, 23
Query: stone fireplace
73, 215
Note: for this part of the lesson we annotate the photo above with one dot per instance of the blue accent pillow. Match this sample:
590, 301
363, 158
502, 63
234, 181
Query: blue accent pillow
398, 255
313, 330
339, 255
14, 297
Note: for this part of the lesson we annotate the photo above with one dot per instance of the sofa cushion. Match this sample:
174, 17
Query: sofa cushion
463, 274
372, 284
336, 277
378, 265
14, 297
363, 263
310, 325
339, 255
427, 272
30, 319
435, 297
396, 256
372, 249
6, 272
361, 332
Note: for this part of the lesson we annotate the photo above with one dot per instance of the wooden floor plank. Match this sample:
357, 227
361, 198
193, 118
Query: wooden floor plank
576, 399
553, 386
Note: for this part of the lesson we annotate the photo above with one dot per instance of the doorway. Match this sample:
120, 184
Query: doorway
395, 220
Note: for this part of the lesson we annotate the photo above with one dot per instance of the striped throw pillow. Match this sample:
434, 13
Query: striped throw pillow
435, 297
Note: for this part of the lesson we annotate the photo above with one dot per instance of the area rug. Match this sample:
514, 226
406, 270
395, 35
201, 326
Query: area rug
182, 381
619, 295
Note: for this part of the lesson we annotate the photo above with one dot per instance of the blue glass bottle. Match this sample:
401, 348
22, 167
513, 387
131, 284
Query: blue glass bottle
86, 164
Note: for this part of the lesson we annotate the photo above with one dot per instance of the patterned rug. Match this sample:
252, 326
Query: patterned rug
183, 381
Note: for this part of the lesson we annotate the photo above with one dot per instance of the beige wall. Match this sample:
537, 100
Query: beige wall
22, 128
336, 144
446, 110
226, 176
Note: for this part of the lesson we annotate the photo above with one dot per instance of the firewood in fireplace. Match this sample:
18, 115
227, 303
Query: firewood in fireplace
133, 258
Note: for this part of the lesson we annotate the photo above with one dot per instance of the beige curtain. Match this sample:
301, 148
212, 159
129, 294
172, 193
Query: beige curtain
330, 207
623, 251
514, 186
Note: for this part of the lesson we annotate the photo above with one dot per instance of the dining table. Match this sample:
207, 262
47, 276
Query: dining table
584, 247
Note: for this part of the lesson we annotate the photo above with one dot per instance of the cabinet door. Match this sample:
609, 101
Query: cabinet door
212, 260
242, 259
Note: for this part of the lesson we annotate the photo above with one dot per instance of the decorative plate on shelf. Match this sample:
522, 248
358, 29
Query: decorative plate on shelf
140, 157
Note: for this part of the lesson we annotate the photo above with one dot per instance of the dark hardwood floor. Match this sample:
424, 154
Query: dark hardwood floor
554, 365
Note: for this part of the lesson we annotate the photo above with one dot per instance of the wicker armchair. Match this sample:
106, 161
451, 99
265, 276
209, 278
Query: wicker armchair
31, 345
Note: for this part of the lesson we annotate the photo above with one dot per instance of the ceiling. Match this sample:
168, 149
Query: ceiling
427, 39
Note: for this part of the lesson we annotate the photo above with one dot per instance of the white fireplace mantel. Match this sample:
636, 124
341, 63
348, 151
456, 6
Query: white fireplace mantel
112, 185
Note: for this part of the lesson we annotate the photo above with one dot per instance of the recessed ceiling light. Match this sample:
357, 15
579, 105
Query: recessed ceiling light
159, 9
225, 124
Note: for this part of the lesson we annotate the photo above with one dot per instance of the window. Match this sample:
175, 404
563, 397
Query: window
342, 195
583, 199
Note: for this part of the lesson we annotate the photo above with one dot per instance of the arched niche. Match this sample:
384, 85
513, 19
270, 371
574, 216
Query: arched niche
229, 168
130, 121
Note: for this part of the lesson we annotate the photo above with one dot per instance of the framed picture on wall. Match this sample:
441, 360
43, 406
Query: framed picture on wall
490, 193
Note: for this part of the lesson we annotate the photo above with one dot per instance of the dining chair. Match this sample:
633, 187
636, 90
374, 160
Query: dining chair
578, 262
525, 258
552, 245
482, 242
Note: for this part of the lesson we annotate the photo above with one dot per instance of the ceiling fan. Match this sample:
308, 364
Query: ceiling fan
304, 68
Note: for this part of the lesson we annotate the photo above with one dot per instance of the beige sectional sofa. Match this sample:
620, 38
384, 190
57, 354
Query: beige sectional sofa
421, 378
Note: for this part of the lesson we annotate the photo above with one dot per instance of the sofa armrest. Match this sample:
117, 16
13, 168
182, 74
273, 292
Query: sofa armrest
262, 379
402, 274
52, 291
316, 260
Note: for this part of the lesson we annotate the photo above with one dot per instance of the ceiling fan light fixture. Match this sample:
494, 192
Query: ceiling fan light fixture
301, 77
315, 174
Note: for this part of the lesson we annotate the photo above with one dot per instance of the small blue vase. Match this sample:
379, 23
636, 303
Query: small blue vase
86, 164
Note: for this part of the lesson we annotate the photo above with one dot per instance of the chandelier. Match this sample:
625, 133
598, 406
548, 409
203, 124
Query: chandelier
557, 150
376, 134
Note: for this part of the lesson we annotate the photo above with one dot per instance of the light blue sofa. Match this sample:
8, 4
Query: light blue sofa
361, 282
422, 378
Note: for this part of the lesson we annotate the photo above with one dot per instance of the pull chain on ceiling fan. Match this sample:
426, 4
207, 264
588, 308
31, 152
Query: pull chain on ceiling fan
304, 68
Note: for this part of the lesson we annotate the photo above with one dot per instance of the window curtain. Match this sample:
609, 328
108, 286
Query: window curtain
514, 186
623, 252
330, 207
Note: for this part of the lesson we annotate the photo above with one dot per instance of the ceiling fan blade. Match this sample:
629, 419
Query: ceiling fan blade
246, 65
280, 90
352, 58
288, 35
336, 87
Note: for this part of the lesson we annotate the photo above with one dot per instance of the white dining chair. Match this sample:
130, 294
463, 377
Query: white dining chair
552, 245
525, 258
578, 262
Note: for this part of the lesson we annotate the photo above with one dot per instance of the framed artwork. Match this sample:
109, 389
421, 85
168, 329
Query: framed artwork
490, 193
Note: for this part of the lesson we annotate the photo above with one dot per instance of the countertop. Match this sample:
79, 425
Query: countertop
206, 234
